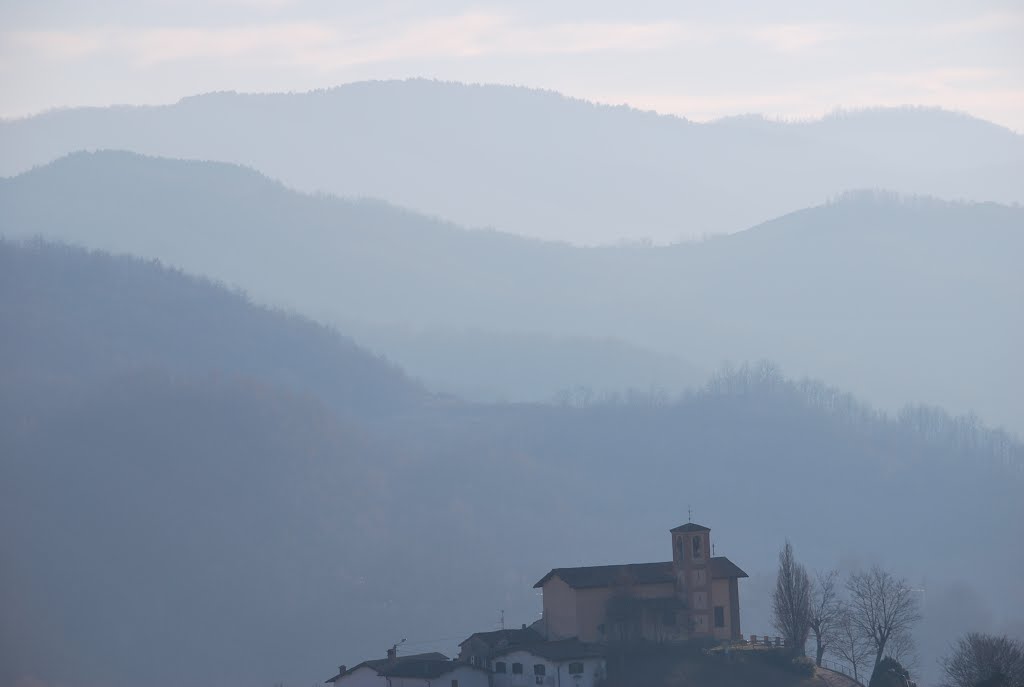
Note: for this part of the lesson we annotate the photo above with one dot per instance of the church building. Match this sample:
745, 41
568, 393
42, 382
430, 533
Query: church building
695, 595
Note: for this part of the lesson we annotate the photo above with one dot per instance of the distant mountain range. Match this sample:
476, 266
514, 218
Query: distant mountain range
899, 299
196, 490
538, 164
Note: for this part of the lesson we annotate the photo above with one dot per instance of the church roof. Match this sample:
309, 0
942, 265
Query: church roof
595, 576
606, 575
690, 527
723, 568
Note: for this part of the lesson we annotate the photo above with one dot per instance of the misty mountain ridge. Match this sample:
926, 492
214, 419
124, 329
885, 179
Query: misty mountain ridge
539, 164
249, 505
870, 291
104, 317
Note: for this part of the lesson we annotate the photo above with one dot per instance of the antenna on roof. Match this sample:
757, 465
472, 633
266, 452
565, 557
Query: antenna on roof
503, 619
689, 513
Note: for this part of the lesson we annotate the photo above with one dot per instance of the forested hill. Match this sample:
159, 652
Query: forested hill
540, 164
873, 292
73, 318
253, 526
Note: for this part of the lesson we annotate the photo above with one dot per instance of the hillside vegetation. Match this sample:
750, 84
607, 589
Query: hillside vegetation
873, 292
270, 514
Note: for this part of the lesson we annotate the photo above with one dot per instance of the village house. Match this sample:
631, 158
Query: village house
565, 662
695, 595
524, 657
416, 670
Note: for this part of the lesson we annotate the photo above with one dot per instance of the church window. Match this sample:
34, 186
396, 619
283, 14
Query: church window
517, 668
697, 548
719, 616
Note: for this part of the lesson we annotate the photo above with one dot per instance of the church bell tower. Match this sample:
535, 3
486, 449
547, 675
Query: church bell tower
691, 556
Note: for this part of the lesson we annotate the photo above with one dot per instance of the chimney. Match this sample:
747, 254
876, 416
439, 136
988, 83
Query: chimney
524, 626
392, 654
341, 669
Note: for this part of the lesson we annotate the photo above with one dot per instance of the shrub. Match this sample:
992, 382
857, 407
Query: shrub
890, 673
803, 666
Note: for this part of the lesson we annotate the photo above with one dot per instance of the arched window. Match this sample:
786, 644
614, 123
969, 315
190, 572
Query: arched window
697, 547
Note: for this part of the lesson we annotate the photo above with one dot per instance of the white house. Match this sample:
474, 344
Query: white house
566, 663
417, 670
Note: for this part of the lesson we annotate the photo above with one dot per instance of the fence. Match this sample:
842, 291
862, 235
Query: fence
834, 666
838, 667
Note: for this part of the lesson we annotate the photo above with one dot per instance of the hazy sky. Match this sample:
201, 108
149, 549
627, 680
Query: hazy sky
698, 59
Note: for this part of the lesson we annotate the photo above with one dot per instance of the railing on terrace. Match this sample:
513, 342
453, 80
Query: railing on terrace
765, 640
838, 667
834, 666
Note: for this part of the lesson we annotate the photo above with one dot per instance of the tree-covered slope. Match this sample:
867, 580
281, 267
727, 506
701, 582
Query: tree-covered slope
873, 292
74, 318
242, 527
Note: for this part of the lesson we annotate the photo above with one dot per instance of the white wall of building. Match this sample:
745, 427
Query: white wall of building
556, 674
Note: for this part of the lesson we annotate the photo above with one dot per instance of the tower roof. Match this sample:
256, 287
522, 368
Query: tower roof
691, 527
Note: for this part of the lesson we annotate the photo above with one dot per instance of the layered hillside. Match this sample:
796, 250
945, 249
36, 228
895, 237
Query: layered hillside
874, 292
539, 164
238, 523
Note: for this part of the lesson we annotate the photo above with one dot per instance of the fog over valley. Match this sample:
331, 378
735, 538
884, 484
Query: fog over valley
492, 346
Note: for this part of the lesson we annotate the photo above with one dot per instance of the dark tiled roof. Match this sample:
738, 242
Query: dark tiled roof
562, 650
607, 575
722, 567
424, 668
492, 639
691, 527
381, 664
633, 573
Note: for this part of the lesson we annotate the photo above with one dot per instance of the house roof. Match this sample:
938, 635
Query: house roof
495, 638
595, 576
381, 664
690, 527
426, 668
562, 650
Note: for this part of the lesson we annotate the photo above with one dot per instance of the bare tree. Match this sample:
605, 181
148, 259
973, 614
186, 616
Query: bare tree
825, 610
791, 601
980, 660
849, 644
882, 607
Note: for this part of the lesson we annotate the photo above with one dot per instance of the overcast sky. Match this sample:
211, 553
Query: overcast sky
701, 60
